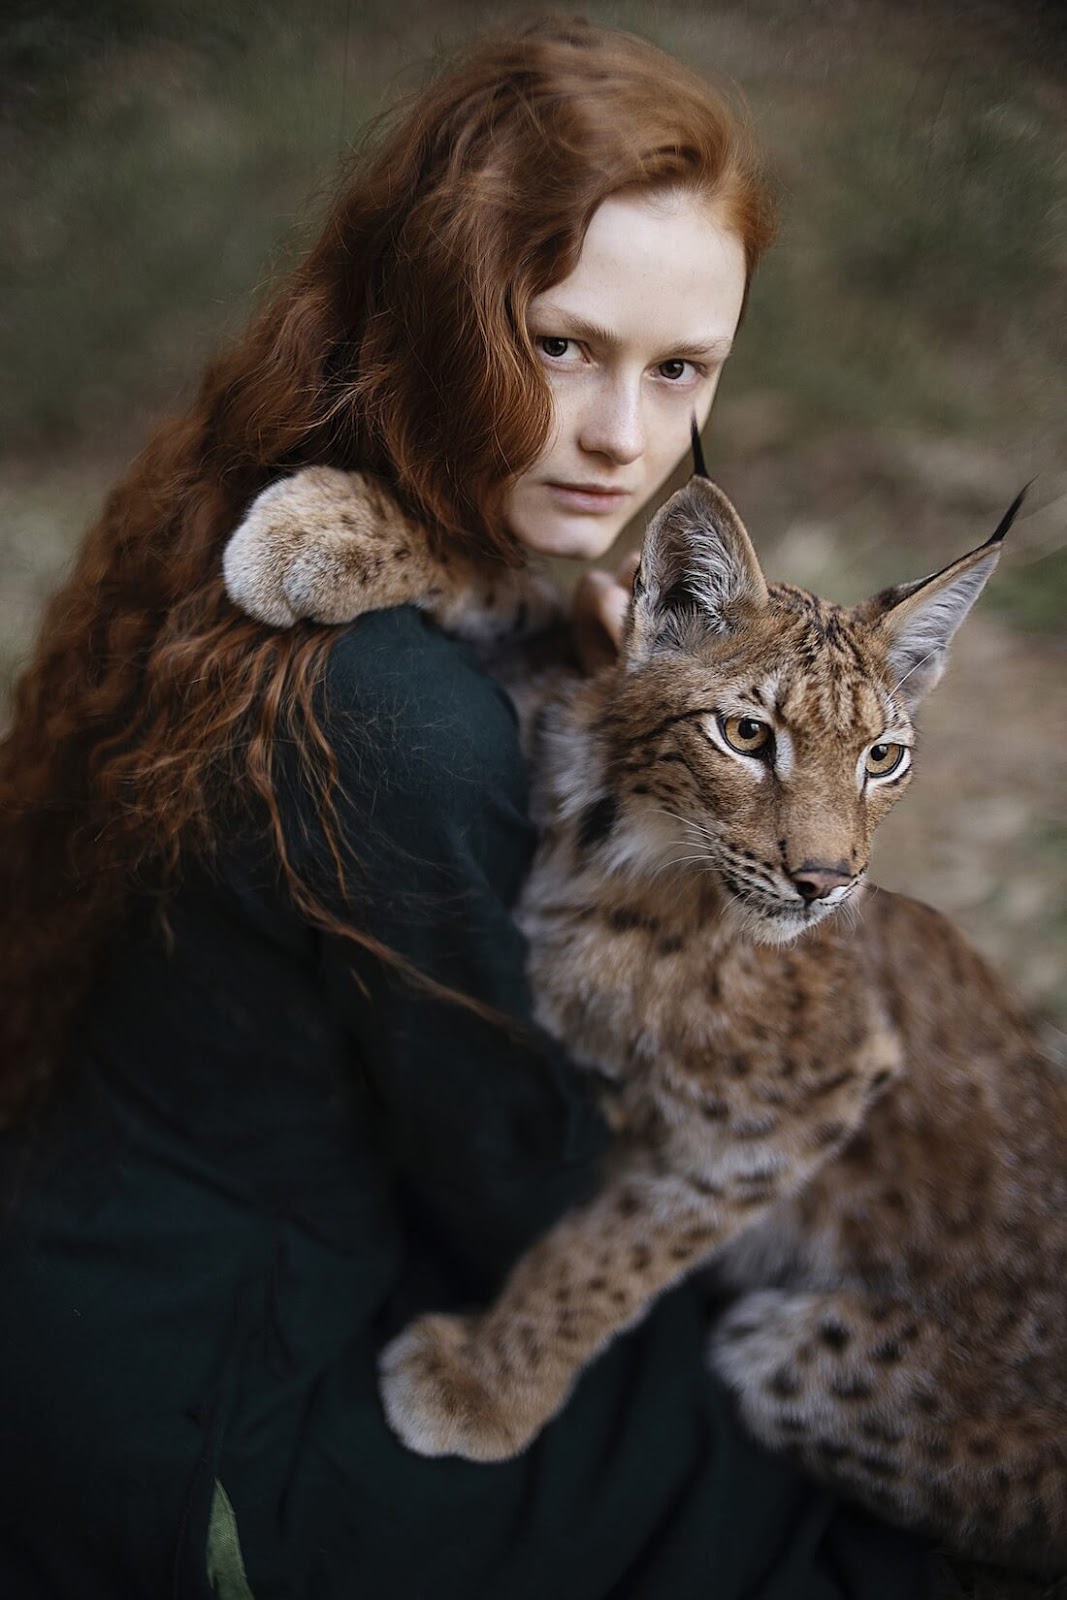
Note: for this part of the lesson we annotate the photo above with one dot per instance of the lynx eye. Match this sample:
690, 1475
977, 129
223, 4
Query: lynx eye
745, 735
882, 759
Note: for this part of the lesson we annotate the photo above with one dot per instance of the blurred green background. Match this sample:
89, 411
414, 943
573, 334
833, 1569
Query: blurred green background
900, 374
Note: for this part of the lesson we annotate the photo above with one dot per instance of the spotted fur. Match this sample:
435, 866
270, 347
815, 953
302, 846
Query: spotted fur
821, 1090
330, 545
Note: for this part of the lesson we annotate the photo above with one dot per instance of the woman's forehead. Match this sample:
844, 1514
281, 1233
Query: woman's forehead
653, 268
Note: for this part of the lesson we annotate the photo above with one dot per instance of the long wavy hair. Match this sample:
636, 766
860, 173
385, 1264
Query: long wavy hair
399, 346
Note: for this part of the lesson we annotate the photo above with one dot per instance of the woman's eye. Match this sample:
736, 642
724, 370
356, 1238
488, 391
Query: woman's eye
673, 369
745, 735
549, 345
882, 759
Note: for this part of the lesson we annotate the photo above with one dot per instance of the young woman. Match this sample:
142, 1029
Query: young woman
269, 1080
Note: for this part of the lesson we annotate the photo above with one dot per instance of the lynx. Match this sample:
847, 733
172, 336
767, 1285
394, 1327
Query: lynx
820, 1089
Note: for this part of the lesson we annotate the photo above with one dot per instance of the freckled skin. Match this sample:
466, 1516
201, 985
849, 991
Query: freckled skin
834, 1101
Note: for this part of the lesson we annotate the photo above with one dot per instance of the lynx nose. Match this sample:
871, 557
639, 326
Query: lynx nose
814, 882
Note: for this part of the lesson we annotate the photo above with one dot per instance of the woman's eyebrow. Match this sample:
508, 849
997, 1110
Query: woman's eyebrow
714, 346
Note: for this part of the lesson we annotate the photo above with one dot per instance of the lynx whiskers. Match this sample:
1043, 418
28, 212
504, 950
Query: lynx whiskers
845, 1114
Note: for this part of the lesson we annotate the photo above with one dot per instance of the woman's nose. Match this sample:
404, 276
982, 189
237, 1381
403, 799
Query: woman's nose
613, 425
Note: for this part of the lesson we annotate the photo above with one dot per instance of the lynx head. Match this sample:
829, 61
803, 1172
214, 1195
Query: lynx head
759, 732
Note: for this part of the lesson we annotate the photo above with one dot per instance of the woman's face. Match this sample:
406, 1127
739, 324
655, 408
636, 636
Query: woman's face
633, 343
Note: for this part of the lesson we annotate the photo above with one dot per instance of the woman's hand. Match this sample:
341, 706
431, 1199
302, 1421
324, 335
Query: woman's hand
599, 612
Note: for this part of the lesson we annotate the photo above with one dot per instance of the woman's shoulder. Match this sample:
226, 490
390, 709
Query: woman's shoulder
406, 705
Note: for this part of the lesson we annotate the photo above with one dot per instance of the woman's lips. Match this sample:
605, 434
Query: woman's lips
585, 497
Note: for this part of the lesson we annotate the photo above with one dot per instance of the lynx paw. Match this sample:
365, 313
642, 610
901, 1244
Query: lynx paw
753, 1350
813, 1367
305, 547
436, 1399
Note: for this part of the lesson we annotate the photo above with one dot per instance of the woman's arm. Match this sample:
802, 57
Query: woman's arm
493, 1137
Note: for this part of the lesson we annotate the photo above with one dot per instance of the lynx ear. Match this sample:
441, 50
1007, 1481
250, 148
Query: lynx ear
698, 573
915, 622
700, 469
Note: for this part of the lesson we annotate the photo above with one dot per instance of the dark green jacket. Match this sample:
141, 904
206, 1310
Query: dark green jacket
271, 1153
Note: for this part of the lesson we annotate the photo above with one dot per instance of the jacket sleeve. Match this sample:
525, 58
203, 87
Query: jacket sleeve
487, 1124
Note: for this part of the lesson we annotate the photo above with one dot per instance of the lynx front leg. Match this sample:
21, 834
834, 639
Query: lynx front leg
484, 1386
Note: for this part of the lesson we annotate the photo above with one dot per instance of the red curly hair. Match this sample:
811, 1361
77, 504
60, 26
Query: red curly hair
399, 346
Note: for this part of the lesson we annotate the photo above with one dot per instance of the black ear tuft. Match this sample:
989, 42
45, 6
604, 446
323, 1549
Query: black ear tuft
699, 467
1009, 516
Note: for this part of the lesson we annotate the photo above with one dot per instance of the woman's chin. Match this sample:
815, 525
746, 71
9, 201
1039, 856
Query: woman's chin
576, 536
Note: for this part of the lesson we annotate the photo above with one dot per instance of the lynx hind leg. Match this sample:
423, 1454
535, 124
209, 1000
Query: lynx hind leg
327, 545
861, 1390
